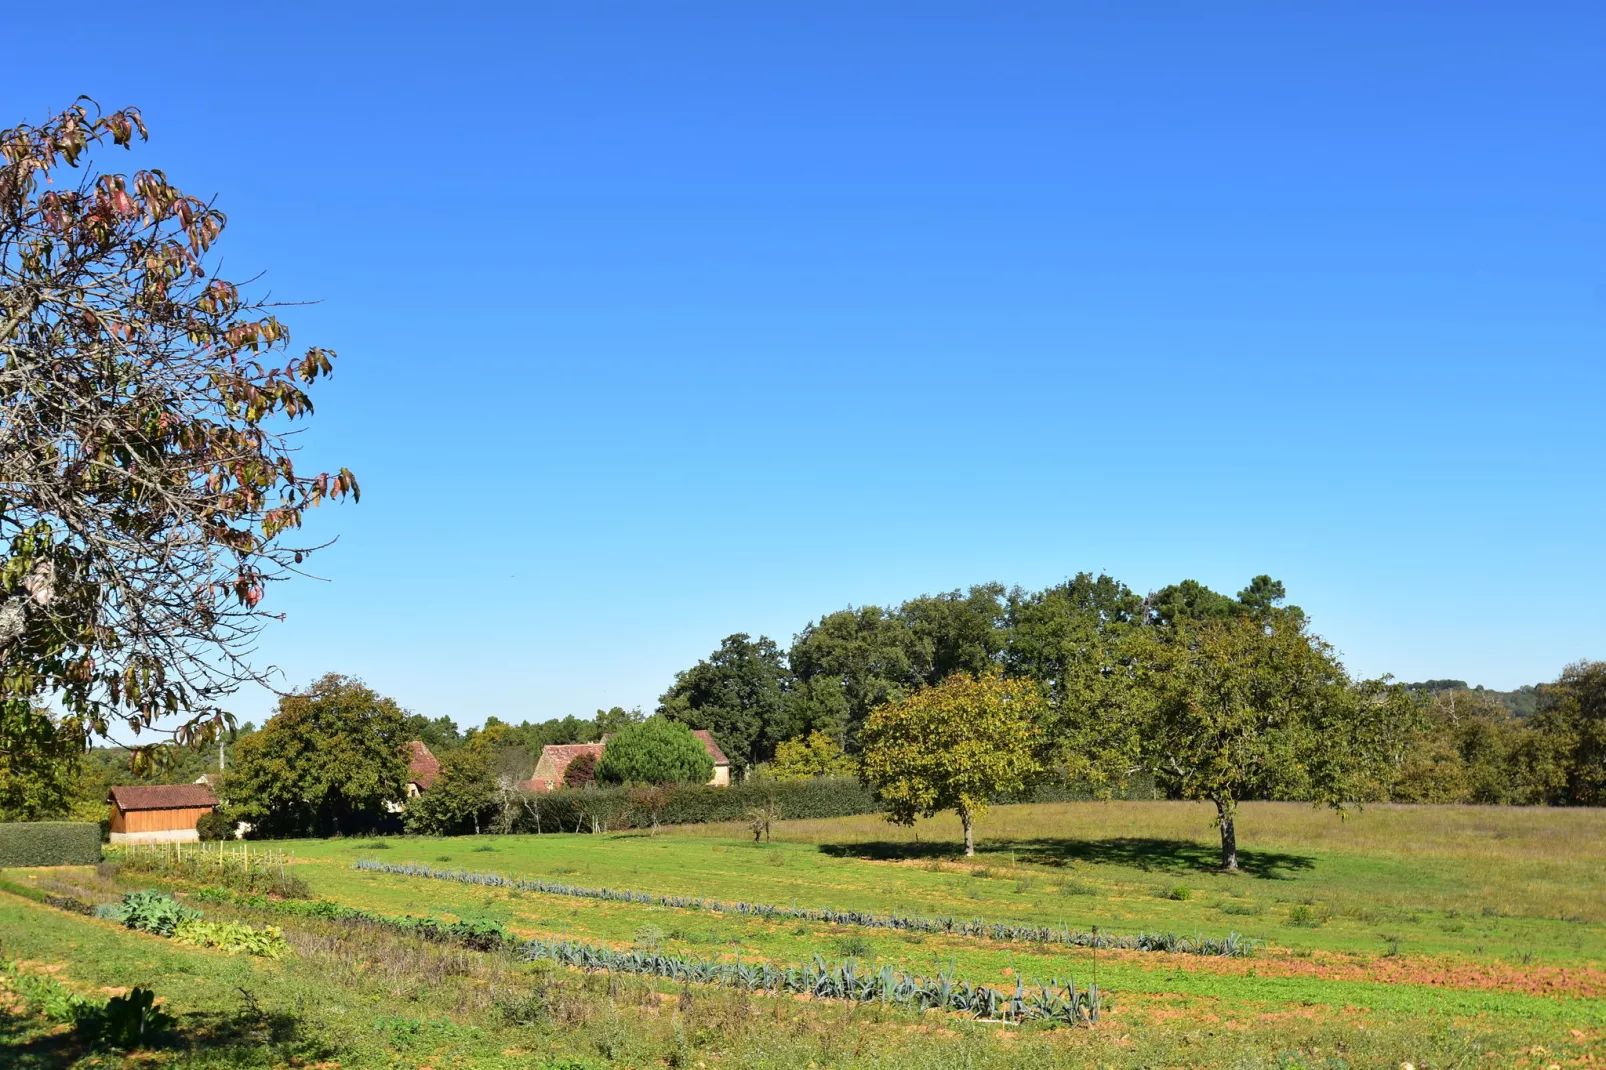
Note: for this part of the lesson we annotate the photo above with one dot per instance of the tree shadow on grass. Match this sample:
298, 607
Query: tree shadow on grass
1147, 854
24, 1045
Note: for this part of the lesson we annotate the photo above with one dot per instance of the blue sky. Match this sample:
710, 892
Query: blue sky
659, 322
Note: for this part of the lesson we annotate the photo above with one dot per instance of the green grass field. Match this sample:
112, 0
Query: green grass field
1442, 936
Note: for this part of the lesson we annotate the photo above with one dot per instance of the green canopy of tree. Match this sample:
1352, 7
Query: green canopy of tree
329, 762
810, 756
1238, 706
1572, 714
850, 662
40, 757
953, 746
1070, 638
463, 797
740, 695
1470, 748
655, 751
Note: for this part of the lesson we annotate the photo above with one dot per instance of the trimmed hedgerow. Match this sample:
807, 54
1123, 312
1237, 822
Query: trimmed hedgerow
49, 843
599, 809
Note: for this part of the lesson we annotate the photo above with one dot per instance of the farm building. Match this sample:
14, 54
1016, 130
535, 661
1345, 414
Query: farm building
422, 769
555, 759
158, 813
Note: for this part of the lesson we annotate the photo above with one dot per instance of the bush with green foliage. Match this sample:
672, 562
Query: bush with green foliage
214, 826
656, 751
49, 843
810, 756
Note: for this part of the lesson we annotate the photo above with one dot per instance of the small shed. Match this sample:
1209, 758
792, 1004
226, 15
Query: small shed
158, 813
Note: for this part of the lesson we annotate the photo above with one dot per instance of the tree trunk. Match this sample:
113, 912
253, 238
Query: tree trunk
1226, 811
970, 832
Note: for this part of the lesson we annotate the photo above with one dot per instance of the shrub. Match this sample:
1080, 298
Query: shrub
49, 843
214, 826
1181, 893
656, 751
807, 757
581, 772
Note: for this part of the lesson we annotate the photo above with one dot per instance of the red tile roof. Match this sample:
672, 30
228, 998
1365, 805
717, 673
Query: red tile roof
713, 748
554, 762
422, 766
162, 797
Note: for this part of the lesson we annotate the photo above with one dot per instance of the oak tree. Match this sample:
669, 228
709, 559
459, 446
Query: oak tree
332, 760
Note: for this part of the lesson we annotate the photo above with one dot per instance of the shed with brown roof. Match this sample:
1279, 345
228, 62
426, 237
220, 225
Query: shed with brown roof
158, 813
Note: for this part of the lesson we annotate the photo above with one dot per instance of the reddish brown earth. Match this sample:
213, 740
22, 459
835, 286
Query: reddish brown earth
1585, 982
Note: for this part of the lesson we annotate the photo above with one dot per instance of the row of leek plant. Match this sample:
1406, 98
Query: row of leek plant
1055, 1003
1230, 945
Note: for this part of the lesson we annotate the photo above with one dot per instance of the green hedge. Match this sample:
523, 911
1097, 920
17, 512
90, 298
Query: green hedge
569, 809
49, 843
582, 809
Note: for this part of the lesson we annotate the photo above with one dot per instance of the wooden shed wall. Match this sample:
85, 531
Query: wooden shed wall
156, 820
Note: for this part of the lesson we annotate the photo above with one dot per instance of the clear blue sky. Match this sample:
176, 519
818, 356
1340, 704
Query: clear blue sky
659, 322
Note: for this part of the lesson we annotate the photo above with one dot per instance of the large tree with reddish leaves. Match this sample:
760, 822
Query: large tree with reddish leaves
147, 483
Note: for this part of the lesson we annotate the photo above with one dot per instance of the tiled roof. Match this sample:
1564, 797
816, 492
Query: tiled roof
713, 748
422, 766
555, 759
162, 797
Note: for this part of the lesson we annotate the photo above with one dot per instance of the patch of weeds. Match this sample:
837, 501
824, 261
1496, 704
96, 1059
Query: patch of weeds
1180, 893
775, 859
913, 938
983, 872
443, 858
933, 866
1242, 910
371, 845
1493, 912
1452, 926
484, 849
974, 892
1306, 917
649, 938
1024, 885
1393, 949
800, 930
1077, 887
853, 947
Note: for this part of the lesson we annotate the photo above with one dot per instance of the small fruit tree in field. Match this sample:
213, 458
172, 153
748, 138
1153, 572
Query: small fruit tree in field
656, 751
954, 747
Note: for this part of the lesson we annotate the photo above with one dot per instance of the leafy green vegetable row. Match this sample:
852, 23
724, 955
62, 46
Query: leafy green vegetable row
1230, 945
